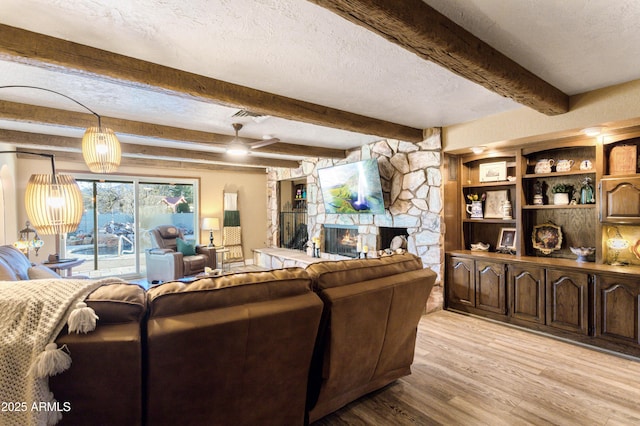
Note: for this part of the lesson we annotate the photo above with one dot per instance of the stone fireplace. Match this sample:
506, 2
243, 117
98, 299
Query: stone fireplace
412, 189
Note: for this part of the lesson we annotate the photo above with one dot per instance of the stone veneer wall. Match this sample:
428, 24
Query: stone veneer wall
412, 187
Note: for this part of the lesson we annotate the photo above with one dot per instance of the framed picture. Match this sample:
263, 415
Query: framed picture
493, 203
493, 172
507, 239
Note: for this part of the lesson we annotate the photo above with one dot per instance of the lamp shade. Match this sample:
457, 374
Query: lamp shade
54, 206
211, 223
101, 150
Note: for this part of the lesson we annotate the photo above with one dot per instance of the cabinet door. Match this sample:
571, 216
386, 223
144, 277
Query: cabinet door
490, 286
526, 293
620, 200
617, 304
460, 282
567, 300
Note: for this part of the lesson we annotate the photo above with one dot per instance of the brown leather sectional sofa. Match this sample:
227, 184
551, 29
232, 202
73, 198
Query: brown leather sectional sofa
284, 347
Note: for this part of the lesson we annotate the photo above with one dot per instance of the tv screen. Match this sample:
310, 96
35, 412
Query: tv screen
352, 188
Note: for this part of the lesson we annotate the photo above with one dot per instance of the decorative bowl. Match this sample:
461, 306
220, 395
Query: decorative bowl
582, 252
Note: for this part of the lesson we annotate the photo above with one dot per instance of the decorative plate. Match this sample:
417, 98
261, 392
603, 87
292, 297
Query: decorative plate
547, 237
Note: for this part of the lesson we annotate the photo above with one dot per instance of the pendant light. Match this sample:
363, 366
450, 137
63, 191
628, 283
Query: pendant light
53, 201
100, 146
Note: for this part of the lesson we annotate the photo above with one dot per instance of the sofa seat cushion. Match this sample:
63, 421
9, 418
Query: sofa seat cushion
194, 264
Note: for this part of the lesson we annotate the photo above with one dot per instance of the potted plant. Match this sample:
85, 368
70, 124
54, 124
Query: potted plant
562, 193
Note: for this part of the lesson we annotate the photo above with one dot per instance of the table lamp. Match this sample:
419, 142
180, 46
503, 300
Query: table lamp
212, 224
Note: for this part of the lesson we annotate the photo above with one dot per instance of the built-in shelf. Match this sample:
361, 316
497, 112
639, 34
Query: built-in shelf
553, 206
488, 184
556, 174
512, 221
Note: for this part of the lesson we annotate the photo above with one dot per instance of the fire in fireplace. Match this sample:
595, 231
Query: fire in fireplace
341, 240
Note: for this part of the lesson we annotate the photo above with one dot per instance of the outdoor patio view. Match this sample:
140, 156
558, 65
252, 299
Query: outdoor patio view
113, 235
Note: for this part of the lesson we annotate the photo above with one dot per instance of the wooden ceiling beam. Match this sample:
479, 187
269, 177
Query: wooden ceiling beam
35, 140
144, 162
42, 115
35, 49
417, 27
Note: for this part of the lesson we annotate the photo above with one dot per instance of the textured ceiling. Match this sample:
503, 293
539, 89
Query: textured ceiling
299, 50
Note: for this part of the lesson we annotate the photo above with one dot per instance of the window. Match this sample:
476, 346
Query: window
119, 212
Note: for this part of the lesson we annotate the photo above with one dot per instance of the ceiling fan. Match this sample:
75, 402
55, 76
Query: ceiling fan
238, 147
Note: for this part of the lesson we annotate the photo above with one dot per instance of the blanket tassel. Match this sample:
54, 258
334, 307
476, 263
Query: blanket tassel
50, 362
82, 319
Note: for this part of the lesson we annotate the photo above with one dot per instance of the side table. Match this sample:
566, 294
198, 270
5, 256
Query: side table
222, 252
63, 267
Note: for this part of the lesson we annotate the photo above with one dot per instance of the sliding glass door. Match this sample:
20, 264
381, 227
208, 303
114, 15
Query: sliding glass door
119, 212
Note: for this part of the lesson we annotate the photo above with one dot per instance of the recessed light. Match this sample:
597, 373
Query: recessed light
592, 131
478, 149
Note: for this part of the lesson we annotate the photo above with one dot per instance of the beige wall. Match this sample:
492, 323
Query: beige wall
601, 107
251, 188
9, 224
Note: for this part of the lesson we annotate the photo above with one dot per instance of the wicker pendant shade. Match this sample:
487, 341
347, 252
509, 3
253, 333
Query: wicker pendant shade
53, 203
101, 150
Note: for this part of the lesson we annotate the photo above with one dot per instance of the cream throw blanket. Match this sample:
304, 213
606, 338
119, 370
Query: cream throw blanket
32, 313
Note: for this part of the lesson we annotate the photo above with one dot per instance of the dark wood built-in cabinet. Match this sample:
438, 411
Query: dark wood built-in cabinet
596, 301
526, 286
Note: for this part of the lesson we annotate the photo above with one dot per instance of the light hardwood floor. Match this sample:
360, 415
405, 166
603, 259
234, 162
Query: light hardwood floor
470, 371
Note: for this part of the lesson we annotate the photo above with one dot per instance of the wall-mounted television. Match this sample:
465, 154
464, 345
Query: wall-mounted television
352, 188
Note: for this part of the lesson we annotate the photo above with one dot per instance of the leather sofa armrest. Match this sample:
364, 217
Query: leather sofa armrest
212, 262
160, 251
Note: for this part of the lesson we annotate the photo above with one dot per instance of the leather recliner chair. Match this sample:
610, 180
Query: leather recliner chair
166, 263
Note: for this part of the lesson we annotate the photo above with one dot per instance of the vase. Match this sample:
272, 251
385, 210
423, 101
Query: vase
475, 210
561, 199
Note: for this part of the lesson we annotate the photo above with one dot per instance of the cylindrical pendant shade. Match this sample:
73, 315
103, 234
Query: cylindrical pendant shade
101, 150
53, 207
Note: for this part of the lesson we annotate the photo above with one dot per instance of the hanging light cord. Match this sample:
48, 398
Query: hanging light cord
39, 154
57, 93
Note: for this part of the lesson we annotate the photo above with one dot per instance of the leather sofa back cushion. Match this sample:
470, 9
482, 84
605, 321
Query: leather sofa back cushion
118, 303
334, 274
175, 298
16, 261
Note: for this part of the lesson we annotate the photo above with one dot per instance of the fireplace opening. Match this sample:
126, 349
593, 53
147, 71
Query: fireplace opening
341, 240
385, 235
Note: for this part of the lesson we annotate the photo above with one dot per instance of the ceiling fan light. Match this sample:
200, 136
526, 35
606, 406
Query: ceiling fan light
101, 150
237, 148
53, 204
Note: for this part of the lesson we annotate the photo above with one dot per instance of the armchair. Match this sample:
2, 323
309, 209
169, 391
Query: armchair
166, 263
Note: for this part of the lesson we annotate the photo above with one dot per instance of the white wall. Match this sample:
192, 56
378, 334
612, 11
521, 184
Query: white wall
599, 107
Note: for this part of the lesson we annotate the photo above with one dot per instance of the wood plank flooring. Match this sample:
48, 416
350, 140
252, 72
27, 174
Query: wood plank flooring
470, 371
